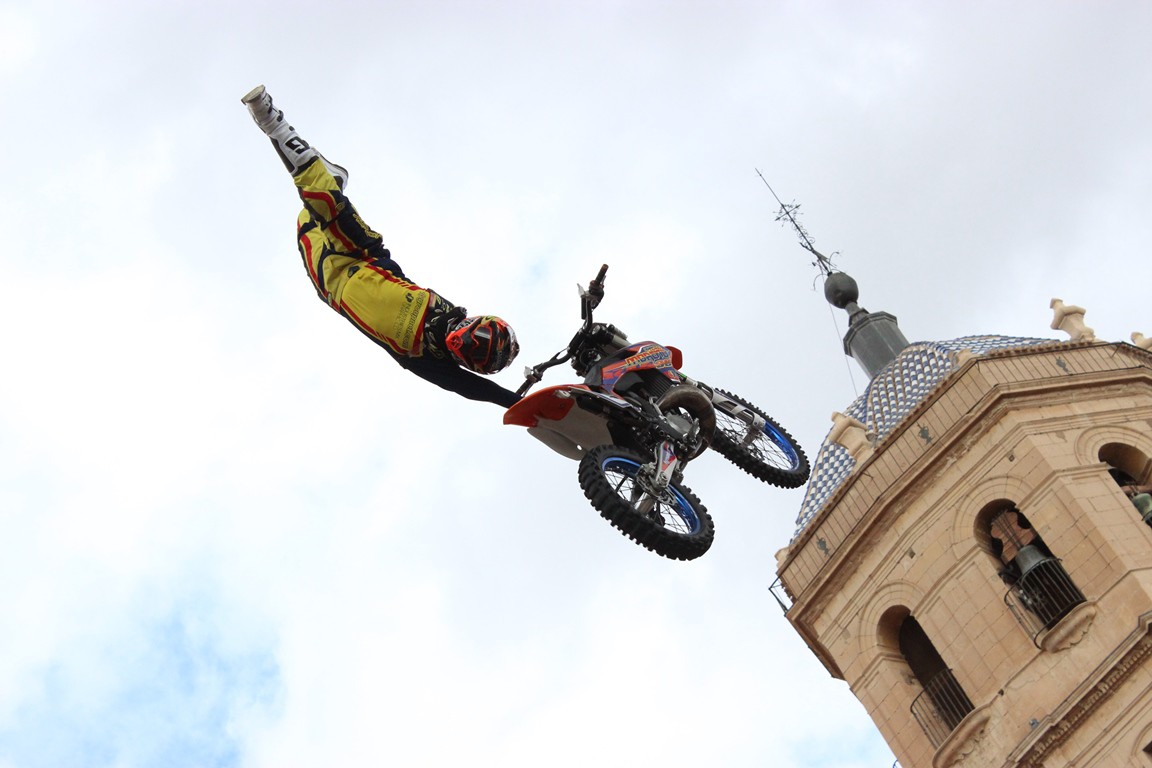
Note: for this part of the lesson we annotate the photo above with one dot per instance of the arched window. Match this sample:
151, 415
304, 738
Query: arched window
1132, 471
943, 703
1040, 591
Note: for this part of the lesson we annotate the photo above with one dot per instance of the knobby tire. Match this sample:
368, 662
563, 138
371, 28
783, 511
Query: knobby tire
774, 456
679, 527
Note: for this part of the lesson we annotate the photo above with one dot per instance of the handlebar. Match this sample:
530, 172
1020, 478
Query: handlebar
589, 300
596, 287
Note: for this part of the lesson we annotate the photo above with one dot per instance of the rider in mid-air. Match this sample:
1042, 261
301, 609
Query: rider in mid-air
355, 275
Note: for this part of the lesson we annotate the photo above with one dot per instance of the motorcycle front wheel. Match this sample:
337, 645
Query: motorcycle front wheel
672, 522
769, 454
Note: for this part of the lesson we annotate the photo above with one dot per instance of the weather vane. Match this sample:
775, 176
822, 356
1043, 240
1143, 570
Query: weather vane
788, 214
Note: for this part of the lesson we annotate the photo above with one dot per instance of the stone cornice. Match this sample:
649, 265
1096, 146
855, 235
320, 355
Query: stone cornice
1101, 685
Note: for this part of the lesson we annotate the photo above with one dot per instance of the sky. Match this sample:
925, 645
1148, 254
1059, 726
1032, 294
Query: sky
234, 533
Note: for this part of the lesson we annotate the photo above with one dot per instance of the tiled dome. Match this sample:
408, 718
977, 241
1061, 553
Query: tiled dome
890, 396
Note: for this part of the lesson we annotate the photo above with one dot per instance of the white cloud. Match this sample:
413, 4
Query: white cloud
19, 40
238, 533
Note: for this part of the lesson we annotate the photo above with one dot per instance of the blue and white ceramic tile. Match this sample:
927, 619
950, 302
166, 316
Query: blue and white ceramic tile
890, 396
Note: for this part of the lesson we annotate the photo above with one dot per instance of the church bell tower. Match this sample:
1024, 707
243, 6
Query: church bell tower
973, 555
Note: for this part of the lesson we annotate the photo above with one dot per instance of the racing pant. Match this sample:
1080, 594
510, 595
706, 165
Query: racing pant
352, 270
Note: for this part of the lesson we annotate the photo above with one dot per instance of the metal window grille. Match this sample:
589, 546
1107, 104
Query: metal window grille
941, 706
1043, 596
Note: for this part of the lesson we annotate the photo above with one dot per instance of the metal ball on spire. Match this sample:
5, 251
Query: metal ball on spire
841, 290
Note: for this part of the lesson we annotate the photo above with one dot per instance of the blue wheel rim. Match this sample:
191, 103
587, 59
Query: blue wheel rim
685, 511
783, 444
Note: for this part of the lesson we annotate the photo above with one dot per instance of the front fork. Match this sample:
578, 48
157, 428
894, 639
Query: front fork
656, 477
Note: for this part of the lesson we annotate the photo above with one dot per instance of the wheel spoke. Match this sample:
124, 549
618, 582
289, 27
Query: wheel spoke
762, 446
664, 509
674, 519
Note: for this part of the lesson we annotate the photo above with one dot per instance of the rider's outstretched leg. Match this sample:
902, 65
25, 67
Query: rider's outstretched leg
320, 183
293, 150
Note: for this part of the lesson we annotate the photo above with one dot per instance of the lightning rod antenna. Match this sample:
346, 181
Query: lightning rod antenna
788, 213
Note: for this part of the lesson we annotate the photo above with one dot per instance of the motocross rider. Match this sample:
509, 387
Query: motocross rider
354, 274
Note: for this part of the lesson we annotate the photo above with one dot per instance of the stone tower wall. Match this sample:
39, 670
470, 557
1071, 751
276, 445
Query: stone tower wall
902, 537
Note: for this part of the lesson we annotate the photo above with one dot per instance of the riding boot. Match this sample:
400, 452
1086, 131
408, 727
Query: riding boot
294, 151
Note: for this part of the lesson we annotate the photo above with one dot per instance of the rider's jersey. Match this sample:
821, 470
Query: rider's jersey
354, 274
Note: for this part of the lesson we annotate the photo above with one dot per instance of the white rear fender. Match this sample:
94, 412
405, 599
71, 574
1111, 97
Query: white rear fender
562, 444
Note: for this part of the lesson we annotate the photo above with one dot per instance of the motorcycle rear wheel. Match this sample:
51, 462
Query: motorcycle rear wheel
772, 455
677, 526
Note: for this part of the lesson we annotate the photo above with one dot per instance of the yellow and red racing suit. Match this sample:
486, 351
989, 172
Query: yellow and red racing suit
354, 273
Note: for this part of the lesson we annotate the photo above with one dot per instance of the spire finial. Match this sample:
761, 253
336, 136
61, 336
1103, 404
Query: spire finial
873, 339
788, 213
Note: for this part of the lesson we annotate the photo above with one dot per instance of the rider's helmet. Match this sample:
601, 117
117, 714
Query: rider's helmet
484, 344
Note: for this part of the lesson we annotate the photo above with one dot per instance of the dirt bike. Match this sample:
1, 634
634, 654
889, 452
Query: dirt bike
634, 424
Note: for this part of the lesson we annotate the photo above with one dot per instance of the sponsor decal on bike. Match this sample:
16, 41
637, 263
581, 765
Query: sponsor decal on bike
647, 356
653, 354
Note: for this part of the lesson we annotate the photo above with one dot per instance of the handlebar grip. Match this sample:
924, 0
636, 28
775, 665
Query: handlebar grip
596, 287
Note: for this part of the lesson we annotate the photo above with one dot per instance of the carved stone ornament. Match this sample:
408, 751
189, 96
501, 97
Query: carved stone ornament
1070, 319
964, 741
851, 434
1071, 629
